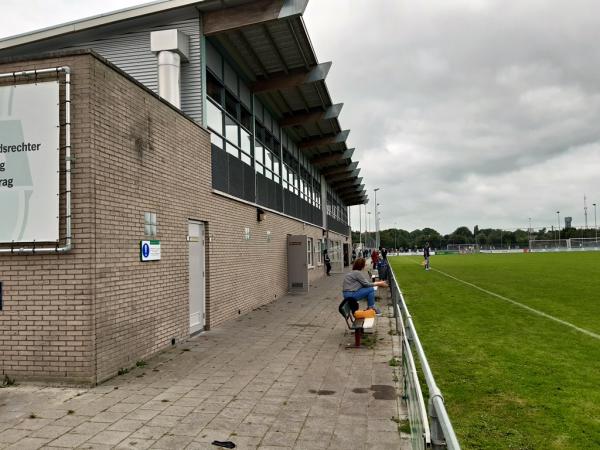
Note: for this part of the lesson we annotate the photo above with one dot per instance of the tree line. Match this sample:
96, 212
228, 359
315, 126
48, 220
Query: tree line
485, 237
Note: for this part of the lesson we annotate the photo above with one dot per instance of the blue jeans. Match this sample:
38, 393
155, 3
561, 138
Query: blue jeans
366, 292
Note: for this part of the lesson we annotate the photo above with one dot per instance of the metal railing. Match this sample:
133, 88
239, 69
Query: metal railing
430, 425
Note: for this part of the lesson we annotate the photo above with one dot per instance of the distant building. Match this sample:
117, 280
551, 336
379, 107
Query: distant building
568, 222
181, 147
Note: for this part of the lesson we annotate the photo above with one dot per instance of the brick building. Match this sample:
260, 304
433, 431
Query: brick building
206, 131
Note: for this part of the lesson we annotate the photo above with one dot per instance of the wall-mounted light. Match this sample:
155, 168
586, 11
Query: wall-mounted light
260, 214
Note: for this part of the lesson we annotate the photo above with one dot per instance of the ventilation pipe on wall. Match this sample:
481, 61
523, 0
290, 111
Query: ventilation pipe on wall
172, 48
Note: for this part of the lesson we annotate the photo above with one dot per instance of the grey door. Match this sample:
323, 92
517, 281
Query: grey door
297, 264
197, 276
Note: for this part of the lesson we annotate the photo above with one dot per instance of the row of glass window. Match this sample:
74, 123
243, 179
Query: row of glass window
227, 118
335, 207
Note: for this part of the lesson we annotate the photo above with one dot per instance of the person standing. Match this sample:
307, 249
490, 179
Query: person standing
327, 262
374, 258
426, 255
356, 285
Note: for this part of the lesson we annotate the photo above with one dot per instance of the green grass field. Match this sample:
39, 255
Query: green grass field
512, 379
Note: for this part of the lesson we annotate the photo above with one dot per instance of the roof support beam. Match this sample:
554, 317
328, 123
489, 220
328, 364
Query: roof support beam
293, 78
343, 176
357, 194
351, 189
325, 160
310, 117
346, 183
324, 140
335, 170
356, 201
248, 14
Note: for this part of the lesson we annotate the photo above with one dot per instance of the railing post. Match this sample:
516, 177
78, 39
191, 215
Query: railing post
437, 434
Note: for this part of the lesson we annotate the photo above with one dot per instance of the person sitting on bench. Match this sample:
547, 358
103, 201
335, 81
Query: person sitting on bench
357, 286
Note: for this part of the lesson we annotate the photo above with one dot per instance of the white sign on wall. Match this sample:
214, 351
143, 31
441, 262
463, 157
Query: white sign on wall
149, 251
29, 141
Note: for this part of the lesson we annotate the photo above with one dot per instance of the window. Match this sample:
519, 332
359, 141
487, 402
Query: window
319, 252
150, 224
231, 105
213, 88
266, 153
214, 61
231, 130
258, 153
246, 144
226, 116
231, 79
214, 118
246, 118
309, 252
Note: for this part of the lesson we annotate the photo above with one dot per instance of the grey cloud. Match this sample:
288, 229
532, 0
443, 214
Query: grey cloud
460, 109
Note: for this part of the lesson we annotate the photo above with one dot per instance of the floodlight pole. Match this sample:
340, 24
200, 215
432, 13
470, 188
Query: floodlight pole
558, 215
359, 228
595, 223
529, 232
368, 223
366, 228
376, 220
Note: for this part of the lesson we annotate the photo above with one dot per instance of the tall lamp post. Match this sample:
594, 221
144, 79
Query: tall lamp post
366, 230
595, 223
368, 225
376, 220
558, 215
359, 228
529, 233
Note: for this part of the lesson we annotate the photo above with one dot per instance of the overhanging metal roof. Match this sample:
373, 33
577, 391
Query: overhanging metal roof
269, 41
275, 55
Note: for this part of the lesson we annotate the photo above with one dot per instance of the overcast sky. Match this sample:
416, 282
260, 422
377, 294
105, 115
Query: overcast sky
463, 112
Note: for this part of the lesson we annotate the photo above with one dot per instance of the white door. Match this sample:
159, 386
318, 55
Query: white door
197, 275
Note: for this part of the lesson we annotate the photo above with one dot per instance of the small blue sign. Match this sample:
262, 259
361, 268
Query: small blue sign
145, 250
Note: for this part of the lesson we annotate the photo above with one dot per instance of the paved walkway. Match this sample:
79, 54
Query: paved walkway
278, 377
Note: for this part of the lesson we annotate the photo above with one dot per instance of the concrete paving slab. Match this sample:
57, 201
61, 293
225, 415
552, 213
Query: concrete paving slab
278, 377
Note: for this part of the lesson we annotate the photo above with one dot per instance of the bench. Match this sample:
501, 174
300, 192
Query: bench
347, 308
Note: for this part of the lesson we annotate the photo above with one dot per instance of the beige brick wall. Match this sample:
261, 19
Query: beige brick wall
85, 315
47, 328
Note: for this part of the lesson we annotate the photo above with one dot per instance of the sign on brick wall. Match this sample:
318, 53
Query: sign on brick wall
149, 251
29, 153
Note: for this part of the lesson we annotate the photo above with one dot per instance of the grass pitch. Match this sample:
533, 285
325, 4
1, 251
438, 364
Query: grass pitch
512, 379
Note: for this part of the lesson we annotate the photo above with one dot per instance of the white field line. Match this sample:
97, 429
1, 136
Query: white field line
528, 308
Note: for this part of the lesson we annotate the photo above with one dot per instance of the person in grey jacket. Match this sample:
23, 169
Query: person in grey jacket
357, 286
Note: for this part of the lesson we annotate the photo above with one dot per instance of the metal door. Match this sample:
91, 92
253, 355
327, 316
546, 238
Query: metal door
197, 276
297, 264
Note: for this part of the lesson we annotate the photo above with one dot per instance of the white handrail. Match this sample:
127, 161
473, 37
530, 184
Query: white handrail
441, 430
